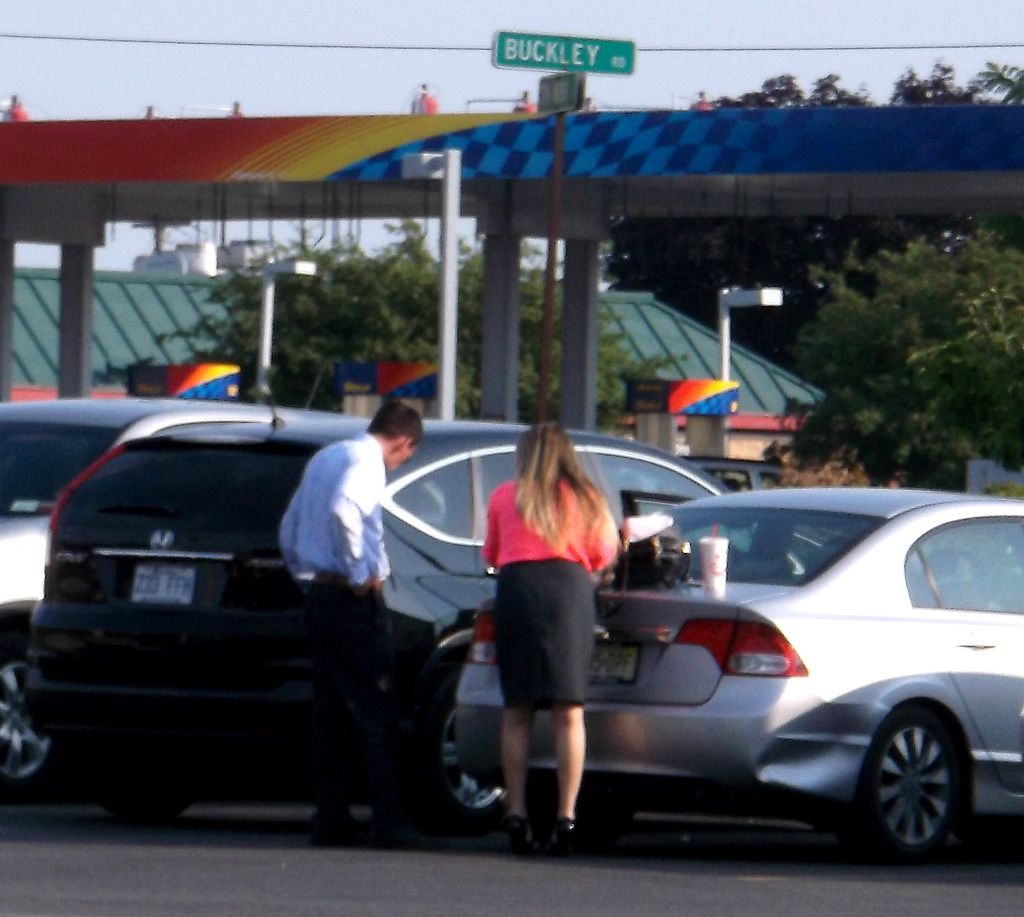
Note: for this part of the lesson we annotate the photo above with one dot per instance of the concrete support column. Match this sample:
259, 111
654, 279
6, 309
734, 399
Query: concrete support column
580, 332
6, 319
499, 390
659, 430
707, 435
74, 374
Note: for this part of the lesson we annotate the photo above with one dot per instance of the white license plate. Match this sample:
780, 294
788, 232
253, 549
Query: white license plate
165, 584
614, 662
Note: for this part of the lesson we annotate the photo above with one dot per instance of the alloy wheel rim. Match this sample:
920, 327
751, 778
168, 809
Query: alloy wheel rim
467, 791
914, 787
23, 751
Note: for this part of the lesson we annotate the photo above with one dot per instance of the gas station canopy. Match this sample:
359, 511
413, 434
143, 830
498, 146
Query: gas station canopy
63, 181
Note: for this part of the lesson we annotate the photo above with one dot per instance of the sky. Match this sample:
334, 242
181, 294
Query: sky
370, 57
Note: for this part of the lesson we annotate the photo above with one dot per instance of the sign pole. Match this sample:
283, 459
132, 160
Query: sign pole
570, 57
554, 231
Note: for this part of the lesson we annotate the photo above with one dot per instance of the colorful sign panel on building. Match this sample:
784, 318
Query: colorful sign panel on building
394, 379
708, 397
213, 381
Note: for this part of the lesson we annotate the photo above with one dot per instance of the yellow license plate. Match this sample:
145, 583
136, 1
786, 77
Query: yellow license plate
614, 663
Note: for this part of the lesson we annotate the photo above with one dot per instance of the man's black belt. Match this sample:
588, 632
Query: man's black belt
332, 579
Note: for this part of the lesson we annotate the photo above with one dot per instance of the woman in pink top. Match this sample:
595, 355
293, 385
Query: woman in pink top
548, 531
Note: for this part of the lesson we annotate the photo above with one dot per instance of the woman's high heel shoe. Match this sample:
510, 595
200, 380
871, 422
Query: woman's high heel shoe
519, 834
562, 837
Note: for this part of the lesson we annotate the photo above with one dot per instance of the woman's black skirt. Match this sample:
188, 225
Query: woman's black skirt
544, 632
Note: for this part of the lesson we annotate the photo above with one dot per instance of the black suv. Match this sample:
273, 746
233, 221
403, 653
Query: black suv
43, 445
169, 658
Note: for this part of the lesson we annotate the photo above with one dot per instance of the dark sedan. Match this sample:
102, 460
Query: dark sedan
169, 658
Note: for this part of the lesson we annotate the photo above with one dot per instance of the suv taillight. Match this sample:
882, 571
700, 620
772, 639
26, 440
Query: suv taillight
744, 647
482, 649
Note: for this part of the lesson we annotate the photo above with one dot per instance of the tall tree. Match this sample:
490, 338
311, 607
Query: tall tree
1003, 80
977, 376
921, 373
363, 307
685, 261
938, 88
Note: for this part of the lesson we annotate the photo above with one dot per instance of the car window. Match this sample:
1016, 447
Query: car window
635, 473
976, 565
922, 595
494, 468
216, 488
773, 546
442, 499
38, 459
733, 478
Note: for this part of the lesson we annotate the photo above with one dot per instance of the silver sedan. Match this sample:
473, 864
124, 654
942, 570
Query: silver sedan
863, 671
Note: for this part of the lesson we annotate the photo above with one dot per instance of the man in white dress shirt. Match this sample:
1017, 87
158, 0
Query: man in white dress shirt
331, 539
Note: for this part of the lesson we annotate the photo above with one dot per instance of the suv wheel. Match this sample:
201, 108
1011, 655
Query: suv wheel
447, 800
24, 752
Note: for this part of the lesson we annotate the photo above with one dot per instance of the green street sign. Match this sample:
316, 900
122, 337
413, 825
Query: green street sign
562, 52
561, 92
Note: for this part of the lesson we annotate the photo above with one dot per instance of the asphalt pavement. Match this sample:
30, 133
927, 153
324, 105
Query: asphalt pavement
72, 860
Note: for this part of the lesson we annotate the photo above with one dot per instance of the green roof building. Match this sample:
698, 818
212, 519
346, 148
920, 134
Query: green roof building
136, 315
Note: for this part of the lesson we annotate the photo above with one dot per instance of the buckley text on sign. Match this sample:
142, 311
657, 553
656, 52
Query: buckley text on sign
561, 52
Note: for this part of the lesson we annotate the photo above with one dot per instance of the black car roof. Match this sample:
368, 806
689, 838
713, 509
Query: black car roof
117, 413
441, 437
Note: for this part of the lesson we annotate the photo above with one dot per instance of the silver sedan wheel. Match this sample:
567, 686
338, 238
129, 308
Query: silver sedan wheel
914, 786
23, 751
464, 788
909, 794
446, 799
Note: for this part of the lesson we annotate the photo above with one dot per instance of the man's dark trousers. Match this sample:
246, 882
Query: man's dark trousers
354, 704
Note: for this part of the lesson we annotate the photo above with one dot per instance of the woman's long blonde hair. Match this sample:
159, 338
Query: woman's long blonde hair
545, 462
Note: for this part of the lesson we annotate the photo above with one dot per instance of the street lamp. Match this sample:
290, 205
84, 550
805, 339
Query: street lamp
712, 431
447, 167
270, 273
734, 298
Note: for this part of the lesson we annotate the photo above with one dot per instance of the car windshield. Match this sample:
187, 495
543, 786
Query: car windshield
38, 459
772, 546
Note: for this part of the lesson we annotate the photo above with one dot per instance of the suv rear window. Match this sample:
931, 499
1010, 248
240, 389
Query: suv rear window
210, 486
38, 459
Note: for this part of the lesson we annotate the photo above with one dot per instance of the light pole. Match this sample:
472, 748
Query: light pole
734, 298
446, 166
711, 432
270, 272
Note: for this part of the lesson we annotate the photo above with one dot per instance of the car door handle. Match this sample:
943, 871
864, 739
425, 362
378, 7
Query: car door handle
976, 646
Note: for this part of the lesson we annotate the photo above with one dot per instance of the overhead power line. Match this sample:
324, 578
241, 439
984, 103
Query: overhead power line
958, 46
363, 46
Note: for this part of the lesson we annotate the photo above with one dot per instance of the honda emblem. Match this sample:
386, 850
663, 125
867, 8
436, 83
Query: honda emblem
161, 540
